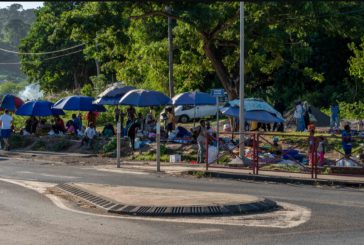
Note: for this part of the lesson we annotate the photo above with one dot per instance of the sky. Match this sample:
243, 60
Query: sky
26, 5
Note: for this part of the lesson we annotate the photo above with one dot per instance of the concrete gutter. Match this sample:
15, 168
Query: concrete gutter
248, 205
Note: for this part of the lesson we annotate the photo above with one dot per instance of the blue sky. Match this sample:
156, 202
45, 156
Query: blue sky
26, 5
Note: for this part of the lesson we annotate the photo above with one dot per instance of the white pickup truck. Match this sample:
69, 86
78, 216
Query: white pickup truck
186, 113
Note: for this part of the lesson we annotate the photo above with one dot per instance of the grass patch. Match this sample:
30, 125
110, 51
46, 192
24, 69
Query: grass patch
282, 167
19, 141
150, 156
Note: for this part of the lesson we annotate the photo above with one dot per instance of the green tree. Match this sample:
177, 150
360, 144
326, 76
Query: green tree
52, 73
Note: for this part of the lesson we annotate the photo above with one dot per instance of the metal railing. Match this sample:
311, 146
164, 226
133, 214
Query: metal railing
306, 146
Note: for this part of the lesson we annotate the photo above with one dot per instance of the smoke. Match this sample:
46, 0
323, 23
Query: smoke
31, 92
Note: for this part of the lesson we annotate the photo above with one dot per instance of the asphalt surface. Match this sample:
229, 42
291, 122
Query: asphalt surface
27, 217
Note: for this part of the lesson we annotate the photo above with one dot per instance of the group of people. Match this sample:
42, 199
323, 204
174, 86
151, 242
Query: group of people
302, 115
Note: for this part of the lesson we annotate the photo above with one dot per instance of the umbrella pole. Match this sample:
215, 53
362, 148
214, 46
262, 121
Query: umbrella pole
194, 116
158, 141
217, 127
118, 132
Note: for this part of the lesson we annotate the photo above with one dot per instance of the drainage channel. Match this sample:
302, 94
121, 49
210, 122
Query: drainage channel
264, 205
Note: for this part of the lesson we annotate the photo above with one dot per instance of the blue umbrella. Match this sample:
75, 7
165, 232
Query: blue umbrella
11, 102
194, 98
112, 95
257, 115
78, 103
144, 98
38, 108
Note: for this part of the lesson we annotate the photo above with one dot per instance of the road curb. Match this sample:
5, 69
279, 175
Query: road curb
263, 205
284, 180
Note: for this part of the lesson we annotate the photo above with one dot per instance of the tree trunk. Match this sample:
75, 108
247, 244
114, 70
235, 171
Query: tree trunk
221, 71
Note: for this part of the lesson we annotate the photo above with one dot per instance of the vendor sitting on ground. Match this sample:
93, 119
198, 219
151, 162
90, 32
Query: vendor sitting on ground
70, 127
149, 121
43, 127
276, 148
89, 136
76, 122
31, 125
58, 125
108, 131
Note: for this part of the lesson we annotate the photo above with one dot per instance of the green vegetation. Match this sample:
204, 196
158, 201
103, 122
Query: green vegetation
313, 48
351, 111
282, 167
14, 26
150, 156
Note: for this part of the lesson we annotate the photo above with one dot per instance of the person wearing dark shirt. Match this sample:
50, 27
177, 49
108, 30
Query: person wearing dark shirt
76, 122
132, 130
346, 141
59, 124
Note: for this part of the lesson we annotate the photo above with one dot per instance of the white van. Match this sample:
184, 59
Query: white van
186, 113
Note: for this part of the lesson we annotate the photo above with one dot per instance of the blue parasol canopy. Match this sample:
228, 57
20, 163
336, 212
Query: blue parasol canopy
40, 108
144, 98
193, 98
256, 115
78, 103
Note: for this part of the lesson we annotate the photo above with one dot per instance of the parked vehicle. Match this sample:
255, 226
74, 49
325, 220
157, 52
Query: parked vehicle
186, 113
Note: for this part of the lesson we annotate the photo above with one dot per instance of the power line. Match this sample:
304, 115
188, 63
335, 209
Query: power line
41, 53
54, 57
51, 58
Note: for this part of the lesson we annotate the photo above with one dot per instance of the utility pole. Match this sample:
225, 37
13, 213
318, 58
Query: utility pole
170, 52
241, 85
97, 62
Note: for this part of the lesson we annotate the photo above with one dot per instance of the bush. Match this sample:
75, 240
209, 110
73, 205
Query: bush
350, 111
110, 146
60, 145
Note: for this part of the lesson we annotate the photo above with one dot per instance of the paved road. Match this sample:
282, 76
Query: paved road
27, 217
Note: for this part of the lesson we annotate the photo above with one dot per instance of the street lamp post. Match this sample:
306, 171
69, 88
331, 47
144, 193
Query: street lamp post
241, 86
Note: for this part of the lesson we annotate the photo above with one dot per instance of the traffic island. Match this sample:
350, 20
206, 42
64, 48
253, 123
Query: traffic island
142, 201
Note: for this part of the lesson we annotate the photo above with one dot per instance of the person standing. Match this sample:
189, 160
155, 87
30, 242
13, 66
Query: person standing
201, 133
132, 130
306, 114
131, 115
347, 141
91, 117
298, 115
171, 120
89, 136
335, 113
312, 149
6, 122
321, 149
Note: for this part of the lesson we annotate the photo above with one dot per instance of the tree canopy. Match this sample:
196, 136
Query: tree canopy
15, 23
307, 50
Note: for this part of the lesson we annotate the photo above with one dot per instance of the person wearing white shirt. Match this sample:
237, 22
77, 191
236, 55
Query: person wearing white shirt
89, 135
298, 115
6, 122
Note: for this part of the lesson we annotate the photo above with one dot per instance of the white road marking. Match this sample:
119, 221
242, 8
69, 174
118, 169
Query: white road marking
121, 171
290, 216
50, 175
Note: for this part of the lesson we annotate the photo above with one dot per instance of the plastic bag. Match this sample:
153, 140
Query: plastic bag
212, 154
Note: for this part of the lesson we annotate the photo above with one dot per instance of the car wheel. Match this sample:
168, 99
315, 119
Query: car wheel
184, 119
